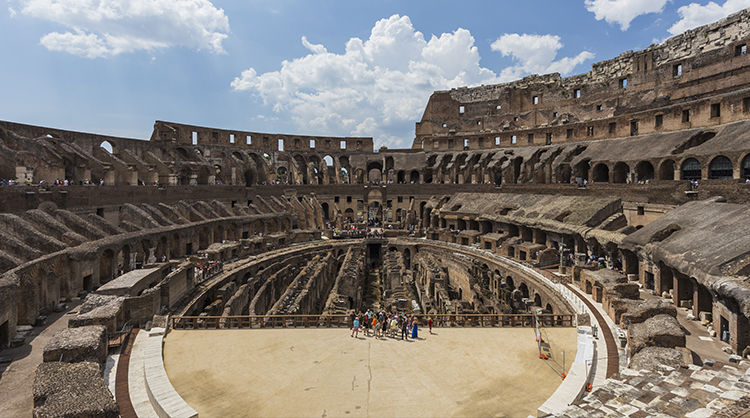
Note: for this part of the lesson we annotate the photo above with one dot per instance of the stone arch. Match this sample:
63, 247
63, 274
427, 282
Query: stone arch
746, 167
720, 168
644, 171
203, 238
401, 177
601, 173
582, 169
184, 175
174, 247
666, 170
414, 176
509, 283
374, 171
162, 249
123, 259
564, 173
61, 269
249, 177
142, 250
218, 233
691, 169
537, 300
259, 227
524, 290
620, 173
106, 266
111, 147
204, 173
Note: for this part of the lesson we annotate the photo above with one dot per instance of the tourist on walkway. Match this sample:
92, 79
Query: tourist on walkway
414, 329
429, 324
355, 328
404, 328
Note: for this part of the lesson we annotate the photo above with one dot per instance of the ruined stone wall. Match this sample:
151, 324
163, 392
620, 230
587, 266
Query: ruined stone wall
346, 292
634, 93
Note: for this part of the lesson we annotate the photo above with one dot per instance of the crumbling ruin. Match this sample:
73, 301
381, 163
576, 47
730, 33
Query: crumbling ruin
593, 175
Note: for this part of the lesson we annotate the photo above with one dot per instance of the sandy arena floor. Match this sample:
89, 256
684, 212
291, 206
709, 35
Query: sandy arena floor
456, 372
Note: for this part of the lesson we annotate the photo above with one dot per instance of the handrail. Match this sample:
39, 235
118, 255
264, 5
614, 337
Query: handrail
344, 321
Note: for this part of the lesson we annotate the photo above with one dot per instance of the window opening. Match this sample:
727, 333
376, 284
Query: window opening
716, 110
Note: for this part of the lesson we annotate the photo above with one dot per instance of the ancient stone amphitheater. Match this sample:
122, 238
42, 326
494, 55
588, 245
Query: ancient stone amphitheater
627, 184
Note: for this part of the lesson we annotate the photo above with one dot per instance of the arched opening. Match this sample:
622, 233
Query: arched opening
325, 211
400, 177
666, 170
249, 178
691, 169
184, 176
123, 259
517, 169
374, 172
549, 309
537, 300
582, 170
509, 283
106, 266
620, 173
746, 167
108, 146
174, 247
414, 176
564, 173
203, 239
601, 173
407, 258
720, 168
666, 280
524, 290
644, 171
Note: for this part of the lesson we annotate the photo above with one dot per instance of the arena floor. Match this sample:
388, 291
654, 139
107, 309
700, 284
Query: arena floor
455, 372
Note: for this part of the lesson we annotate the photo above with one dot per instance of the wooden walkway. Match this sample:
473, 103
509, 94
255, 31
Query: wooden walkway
122, 393
613, 355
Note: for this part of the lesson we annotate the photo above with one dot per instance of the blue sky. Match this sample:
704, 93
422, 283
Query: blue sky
343, 68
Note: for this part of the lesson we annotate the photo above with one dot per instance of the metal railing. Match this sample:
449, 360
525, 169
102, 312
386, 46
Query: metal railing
344, 321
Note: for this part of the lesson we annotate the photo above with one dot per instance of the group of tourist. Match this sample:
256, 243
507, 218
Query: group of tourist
383, 325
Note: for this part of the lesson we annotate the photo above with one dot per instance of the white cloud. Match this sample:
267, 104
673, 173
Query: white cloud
378, 87
623, 12
12, 12
694, 15
103, 28
535, 54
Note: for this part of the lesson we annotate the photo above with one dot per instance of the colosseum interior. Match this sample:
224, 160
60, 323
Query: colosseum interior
623, 190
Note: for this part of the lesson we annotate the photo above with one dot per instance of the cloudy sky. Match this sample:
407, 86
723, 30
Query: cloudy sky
343, 68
